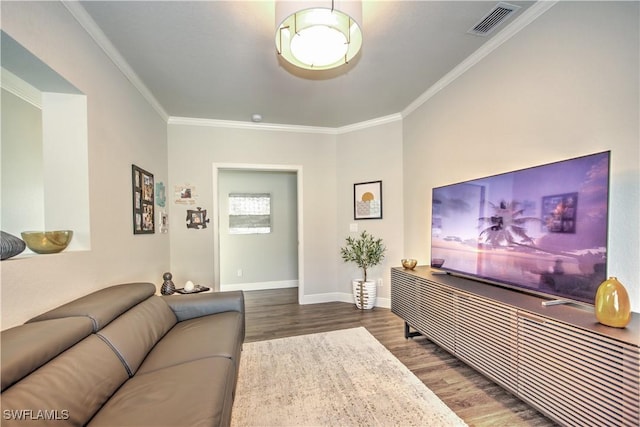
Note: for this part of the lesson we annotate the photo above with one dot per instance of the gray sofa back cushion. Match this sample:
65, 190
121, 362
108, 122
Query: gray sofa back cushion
27, 347
72, 387
133, 334
197, 305
102, 306
217, 335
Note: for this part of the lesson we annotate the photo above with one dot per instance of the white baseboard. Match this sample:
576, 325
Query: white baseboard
383, 302
306, 299
328, 297
257, 286
340, 297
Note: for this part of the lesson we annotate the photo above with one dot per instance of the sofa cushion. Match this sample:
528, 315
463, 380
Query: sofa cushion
27, 347
198, 393
213, 335
71, 387
197, 305
134, 333
104, 305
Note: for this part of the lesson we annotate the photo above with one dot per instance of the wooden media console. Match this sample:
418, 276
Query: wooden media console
557, 358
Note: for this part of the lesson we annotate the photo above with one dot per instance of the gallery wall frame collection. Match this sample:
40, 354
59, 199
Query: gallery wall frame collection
367, 200
367, 203
143, 201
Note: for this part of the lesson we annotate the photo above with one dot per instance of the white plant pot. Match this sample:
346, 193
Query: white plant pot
368, 295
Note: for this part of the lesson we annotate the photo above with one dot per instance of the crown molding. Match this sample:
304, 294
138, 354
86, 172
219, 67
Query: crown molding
369, 123
282, 127
90, 26
520, 22
23, 90
249, 125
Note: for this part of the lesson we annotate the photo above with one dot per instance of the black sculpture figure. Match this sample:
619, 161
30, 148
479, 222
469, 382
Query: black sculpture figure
168, 287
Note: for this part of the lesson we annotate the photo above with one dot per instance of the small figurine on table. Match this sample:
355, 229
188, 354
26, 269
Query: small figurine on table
168, 287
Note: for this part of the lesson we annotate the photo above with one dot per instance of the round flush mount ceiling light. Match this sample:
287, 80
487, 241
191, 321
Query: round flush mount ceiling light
318, 35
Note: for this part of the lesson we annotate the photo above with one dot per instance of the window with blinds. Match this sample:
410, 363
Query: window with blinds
249, 213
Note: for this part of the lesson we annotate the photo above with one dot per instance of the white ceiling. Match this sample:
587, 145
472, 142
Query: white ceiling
217, 60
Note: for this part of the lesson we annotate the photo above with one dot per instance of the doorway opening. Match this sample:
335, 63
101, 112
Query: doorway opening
258, 227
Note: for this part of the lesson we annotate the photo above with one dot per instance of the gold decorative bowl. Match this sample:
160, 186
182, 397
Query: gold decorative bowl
47, 242
410, 263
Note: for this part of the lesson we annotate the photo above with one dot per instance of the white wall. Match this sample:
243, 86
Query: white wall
193, 149
366, 155
65, 166
123, 129
268, 260
566, 85
22, 174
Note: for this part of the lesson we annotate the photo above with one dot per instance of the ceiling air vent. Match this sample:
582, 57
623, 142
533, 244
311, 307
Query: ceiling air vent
500, 13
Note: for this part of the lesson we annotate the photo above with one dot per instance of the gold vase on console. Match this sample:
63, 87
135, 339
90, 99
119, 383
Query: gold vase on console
612, 304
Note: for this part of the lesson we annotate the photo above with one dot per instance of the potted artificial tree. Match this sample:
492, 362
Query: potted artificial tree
365, 251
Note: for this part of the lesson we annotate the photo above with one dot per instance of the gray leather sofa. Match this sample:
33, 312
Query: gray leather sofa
123, 356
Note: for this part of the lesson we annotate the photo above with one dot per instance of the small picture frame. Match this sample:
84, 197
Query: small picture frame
197, 219
185, 194
367, 200
164, 222
143, 201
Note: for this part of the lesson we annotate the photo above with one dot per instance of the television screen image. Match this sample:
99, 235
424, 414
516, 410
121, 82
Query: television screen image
541, 229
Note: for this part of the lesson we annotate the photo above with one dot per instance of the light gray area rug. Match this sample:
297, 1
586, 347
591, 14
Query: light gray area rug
339, 378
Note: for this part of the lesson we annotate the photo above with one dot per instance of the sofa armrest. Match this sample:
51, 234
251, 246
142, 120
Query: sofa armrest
197, 305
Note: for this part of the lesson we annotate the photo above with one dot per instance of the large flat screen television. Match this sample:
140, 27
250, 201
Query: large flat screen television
542, 230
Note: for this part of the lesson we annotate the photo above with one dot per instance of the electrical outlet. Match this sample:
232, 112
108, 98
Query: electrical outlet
380, 283
239, 272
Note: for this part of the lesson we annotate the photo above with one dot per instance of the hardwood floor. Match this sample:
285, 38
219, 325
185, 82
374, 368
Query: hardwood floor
477, 400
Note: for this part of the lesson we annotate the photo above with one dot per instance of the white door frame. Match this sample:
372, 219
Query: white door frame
217, 167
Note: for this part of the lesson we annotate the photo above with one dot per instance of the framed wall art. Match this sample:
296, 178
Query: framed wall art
197, 218
143, 201
185, 194
164, 222
367, 200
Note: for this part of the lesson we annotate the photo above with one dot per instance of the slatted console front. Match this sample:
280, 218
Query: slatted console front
558, 359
